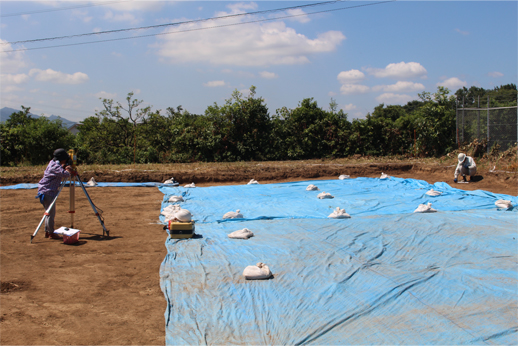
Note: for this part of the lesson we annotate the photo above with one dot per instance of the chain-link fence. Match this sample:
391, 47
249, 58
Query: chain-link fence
497, 126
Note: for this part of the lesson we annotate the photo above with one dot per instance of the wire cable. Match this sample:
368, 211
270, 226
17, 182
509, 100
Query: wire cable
173, 24
199, 29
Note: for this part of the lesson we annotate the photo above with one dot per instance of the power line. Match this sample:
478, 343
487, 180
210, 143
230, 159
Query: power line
199, 29
60, 9
173, 24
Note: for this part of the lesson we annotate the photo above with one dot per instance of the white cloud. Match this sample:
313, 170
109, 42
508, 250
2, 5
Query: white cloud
49, 75
214, 83
301, 16
120, 17
452, 83
495, 74
349, 107
462, 32
400, 86
14, 78
351, 76
105, 95
268, 75
247, 45
242, 6
137, 6
25, 17
11, 61
347, 89
400, 70
390, 98
10, 88
331, 93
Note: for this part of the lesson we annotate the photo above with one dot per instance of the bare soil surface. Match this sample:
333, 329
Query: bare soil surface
107, 291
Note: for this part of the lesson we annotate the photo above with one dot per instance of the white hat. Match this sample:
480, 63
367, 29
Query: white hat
462, 157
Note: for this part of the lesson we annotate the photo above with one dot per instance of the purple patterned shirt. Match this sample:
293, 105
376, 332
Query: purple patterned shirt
51, 180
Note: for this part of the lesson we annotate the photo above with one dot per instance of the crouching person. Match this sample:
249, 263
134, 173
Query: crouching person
57, 169
466, 166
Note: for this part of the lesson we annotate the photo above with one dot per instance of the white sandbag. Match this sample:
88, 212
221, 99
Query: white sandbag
384, 176
174, 199
91, 182
183, 215
171, 182
244, 233
325, 195
170, 209
311, 187
252, 181
233, 215
502, 203
425, 208
339, 214
258, 272
433, 193
190, 185
343, 176
174, 212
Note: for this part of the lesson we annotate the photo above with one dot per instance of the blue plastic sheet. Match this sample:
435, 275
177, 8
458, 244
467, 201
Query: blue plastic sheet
384, 276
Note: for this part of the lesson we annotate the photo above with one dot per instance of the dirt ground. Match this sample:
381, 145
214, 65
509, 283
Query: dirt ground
107, 291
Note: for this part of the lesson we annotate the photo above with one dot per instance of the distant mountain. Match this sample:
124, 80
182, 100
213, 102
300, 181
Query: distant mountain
6, 112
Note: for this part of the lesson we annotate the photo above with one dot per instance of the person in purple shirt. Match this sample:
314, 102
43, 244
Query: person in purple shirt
58, 168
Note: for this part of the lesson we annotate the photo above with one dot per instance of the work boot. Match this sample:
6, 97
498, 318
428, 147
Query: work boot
464, 178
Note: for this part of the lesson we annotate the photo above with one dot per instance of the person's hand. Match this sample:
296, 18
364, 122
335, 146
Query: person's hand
455, 180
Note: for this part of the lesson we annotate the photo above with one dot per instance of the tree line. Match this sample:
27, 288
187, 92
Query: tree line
242, 129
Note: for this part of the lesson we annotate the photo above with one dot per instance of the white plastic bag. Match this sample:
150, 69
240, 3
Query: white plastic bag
339, 214
233, 215
252, 181
425, 208
174, 199
244, 233
91, 182
171, 182
311, 187
433, 193
325, 195
502, 203
343, 176
190, 185
258, 272
384, 176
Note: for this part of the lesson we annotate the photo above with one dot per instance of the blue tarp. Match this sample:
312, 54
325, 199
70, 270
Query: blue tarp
384, 276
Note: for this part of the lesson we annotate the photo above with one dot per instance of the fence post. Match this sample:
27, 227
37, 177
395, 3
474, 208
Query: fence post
462, 119
478, 119
457, 122
488, 124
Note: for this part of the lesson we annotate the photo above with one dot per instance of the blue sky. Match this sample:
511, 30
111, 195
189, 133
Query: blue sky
361, 56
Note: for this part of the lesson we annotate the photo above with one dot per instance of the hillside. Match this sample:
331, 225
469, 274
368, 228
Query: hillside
6, 112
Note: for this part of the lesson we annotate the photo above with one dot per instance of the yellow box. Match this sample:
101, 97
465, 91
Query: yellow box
181, 230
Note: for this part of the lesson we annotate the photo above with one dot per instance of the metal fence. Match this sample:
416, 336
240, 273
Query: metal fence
497, 125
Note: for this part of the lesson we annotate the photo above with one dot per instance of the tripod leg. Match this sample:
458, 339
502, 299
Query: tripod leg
47, 211
105, 231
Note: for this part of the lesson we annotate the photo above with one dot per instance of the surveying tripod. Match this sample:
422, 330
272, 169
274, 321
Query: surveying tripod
106, 233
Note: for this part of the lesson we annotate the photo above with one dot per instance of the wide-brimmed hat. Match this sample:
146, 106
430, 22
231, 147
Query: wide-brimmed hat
462, 157
60, 154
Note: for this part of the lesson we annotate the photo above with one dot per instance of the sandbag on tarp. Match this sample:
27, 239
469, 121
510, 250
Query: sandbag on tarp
441, 278
360, 196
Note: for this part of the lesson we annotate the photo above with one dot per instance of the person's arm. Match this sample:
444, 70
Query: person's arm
57, 170
457, 172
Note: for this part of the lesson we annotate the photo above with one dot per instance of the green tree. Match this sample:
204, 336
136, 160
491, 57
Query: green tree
28, 140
